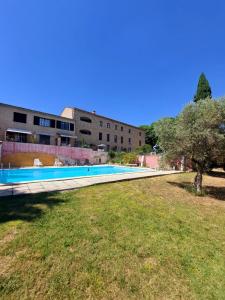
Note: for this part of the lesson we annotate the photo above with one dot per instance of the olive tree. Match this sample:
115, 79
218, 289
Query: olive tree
198, 134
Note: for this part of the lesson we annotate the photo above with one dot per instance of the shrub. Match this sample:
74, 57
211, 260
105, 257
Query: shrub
130, 158
112, 154
118, 159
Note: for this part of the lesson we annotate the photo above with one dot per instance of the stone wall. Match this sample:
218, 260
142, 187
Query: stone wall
150, 161
153, 161
23, 154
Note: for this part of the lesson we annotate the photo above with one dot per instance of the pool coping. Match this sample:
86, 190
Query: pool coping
75, 183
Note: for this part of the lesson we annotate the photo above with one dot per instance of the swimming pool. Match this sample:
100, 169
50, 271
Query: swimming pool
51, 173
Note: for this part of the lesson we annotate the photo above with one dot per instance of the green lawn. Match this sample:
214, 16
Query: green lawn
142, 239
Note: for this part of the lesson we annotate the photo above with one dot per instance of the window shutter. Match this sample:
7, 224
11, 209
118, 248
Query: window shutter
19, 117
52, 123
71, 127
58, 124
36, 120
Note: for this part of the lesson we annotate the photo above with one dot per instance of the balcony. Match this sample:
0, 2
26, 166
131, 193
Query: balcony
43, 138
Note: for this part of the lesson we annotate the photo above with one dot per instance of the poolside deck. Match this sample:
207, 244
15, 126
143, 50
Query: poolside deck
76, 183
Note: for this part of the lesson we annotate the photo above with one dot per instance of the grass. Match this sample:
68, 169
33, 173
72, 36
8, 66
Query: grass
142, 239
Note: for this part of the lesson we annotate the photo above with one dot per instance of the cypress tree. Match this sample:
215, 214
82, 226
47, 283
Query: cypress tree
203, 89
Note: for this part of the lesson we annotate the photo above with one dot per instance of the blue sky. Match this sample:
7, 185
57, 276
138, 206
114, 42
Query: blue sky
136, 61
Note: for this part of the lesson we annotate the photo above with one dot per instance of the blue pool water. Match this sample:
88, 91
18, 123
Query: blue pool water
33, 174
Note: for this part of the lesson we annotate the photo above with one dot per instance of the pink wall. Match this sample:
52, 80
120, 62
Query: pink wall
58, 151
150, 160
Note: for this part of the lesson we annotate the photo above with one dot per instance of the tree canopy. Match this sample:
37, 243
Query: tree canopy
203, 89
150, 135
198, 134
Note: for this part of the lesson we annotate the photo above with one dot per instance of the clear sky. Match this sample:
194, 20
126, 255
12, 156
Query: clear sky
133, 60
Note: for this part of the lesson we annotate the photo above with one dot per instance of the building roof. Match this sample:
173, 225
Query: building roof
100, 116
36, 111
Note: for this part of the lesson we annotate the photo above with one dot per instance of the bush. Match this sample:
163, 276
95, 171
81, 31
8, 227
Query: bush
130, 158
124, 158
118, 159
112, 154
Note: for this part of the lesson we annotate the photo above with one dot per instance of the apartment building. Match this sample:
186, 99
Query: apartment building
99, 131
74, 127
23, 125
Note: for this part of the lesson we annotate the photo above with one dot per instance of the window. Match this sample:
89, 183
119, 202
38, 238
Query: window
44, 139
18, 117
129, 149
100, 136
129, 140
86, 119
121, 139
140, 143
139, 133
108, 125
129, 130
44, 122
121, 128
65, 141
86, 132
108, 137
116, 126
101, 124
115, 138
63, 125
108, 148
16, 137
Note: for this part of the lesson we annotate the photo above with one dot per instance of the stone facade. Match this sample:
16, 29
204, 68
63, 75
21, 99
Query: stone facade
74, 127
98, 130
24, 125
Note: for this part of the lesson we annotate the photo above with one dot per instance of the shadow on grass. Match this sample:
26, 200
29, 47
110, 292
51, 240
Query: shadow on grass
210, 191
219, 174
28, 207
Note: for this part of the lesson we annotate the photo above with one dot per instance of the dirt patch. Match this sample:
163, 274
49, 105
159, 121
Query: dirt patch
8, 238
5, 264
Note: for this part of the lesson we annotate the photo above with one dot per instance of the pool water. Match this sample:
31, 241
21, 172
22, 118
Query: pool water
35, 174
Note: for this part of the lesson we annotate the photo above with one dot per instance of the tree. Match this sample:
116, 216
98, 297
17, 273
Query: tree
150, 135
144, 149
203, 89
198, 133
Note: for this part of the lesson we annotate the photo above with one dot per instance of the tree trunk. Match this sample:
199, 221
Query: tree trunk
198, 181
